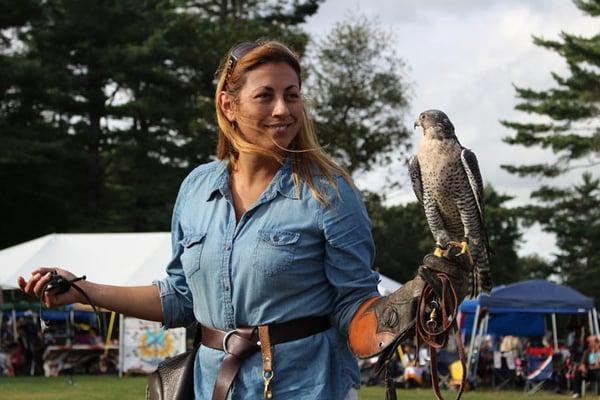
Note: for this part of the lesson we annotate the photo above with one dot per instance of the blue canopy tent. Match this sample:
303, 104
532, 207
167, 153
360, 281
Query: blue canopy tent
519, 309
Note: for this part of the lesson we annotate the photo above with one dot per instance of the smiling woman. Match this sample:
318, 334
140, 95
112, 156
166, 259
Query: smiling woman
272, 251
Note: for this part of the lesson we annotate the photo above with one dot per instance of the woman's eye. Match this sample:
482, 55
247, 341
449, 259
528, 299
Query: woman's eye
293, 96
263, 95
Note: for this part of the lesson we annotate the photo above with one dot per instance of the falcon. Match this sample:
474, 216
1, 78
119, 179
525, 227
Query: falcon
446, 180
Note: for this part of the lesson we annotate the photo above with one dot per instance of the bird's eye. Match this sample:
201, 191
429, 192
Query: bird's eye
422, 116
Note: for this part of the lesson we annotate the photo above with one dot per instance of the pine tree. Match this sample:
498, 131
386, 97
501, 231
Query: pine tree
573, 215
106, 104
571, 108
565, 121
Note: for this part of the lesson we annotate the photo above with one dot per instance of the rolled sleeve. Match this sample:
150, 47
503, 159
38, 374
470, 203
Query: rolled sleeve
349, 253
175, 296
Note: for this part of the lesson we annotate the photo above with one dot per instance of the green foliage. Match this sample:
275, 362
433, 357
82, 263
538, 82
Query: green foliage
106, 105
360, 95
573, 215
572, 106
504, 234
571, 131
402, 237
536, 267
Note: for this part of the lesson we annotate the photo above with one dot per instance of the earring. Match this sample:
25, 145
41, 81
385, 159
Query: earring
232, 123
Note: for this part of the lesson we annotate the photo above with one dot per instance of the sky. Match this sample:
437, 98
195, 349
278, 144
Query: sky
463, 57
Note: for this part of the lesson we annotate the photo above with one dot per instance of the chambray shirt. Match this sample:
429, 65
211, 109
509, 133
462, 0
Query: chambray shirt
288, 257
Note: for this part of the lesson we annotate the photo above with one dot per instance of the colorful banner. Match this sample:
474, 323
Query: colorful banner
145, 344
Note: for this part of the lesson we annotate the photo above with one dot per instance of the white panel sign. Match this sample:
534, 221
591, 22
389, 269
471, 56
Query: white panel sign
145, 344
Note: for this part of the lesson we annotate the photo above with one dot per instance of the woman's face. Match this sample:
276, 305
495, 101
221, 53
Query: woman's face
269, 109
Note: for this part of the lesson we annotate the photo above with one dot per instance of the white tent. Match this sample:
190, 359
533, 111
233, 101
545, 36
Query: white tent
387, 285
110, 258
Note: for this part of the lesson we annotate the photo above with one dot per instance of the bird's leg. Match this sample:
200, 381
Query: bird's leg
439, 250
441, 243
464, 248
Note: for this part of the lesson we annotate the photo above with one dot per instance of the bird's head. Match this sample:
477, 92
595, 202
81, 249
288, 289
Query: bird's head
435, 124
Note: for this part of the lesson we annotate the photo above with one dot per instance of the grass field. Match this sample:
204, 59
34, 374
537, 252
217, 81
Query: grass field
133, 388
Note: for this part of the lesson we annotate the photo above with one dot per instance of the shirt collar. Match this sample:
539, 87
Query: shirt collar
283, 181
220, 180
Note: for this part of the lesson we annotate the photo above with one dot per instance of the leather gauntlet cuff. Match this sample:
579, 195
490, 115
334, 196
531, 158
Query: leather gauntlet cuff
379, 321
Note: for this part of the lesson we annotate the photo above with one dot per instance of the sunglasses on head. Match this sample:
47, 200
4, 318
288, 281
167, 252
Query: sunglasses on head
239, 51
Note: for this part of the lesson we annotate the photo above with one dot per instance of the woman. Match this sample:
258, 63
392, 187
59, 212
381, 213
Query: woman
589, 367
272, 234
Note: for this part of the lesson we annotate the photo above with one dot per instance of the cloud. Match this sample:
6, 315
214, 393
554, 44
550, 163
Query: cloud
464, 57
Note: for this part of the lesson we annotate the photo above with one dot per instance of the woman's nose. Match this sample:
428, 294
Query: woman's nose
280, 107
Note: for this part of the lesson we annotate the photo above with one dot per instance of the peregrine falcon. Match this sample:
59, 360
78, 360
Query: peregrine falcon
446, 179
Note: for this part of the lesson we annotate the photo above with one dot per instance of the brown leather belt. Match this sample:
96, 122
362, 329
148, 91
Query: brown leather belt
243, 342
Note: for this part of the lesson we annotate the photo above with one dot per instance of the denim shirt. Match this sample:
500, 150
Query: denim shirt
288, 257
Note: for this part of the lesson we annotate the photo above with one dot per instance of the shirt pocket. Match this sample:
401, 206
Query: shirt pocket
274, 251
192, 251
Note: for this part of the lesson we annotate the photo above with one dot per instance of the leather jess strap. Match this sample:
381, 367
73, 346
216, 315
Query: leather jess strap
243, 342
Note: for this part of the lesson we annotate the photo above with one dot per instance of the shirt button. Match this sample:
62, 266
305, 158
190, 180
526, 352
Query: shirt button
228, 248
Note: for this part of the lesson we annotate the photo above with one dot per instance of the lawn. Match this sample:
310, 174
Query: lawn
133, 388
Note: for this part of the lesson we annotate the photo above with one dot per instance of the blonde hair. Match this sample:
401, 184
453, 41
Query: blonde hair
304, 151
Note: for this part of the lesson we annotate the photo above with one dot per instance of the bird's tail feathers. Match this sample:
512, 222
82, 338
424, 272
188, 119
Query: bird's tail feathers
484, 279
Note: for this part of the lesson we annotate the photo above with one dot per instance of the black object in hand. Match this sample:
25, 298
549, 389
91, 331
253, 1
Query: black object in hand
57, 283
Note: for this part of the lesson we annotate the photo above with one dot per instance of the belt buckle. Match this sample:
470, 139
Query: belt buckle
225, 338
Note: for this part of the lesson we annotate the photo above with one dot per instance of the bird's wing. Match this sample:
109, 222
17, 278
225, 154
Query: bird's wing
414, 170
471, 167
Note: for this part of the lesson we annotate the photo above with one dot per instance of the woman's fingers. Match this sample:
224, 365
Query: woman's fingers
39, 279
31, 283
22, 283
39, 286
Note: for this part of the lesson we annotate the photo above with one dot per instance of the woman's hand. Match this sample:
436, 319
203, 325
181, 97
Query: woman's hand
40, 277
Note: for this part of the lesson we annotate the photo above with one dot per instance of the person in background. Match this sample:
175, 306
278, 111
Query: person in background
589, 367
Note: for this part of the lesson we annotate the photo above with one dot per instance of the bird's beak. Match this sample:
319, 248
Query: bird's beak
417, 123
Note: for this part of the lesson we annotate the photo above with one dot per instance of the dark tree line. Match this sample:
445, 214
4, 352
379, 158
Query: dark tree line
566, 123
106, 105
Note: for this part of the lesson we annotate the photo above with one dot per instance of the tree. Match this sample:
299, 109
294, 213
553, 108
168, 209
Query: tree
572, 107
402, 237
360, 95
536, 267
566, 122
573, 215
106, 105
504, 233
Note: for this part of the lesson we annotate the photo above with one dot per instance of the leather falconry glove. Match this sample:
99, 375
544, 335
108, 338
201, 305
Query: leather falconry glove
381, 321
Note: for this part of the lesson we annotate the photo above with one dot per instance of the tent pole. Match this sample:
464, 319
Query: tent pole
121, 345
595, 315
554, 335
14, 318
472, 342
590, 322
486, 325
481, 332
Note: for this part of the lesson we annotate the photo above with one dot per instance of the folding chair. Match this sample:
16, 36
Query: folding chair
539, 372
593, 380
504, 371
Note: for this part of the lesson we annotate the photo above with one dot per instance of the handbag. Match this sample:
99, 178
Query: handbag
174, 377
